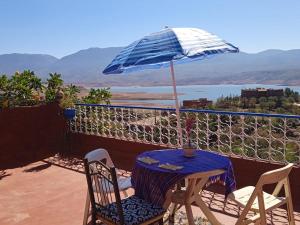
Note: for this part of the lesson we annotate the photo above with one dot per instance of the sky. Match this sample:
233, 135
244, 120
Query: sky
62, 27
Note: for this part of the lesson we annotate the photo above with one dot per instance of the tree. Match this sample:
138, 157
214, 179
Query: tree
4, 81
98, 96
280, 110
69, 96
244, 103
288, 92
25, 88
55, 80
252, 102
54, 84
271, 105
73, 90
4, 91
263, 103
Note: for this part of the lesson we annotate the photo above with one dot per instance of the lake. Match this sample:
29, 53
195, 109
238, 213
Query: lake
211, 92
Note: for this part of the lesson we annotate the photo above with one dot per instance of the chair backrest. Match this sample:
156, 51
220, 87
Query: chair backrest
279, 176
102, 198
275, 176
100, 154
195, 182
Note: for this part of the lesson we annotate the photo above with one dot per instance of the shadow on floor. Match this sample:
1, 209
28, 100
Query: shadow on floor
3, 174
38, 168
75, 164
66, 162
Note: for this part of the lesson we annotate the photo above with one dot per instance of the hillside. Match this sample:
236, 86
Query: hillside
85, 67
10, 63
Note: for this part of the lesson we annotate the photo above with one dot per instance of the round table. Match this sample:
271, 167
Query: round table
152, 182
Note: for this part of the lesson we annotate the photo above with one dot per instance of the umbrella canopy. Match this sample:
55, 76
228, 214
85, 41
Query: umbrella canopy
166, 47
171, 44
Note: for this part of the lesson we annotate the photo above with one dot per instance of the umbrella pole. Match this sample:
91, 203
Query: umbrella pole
176, 104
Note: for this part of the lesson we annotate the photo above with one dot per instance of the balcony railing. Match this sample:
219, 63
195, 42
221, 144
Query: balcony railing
269, 137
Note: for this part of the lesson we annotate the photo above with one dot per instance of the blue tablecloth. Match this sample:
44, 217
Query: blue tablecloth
152, 183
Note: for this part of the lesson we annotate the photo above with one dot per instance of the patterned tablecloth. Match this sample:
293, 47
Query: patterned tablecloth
152, 182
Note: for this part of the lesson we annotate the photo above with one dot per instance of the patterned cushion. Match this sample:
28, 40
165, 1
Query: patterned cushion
135, 211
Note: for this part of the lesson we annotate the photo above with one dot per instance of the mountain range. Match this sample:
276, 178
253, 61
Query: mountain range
86, 66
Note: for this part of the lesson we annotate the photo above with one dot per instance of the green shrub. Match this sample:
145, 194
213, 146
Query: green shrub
98, 96
54, 85
21, 89
70, 96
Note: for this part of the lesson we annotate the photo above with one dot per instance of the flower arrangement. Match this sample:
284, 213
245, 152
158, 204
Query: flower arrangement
189, 149
190, 121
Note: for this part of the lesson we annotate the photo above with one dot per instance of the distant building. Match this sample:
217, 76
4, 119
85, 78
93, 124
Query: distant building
261, 92
195, 104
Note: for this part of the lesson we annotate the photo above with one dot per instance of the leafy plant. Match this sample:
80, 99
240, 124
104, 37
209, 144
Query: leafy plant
4, 93
70, 96
23, 88
72, 90
98, 96
54, 85
26, 89
4, 81
67, 102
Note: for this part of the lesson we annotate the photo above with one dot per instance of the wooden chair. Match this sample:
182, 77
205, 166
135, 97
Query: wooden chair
123, 183
192, 194
255, 199
108, 207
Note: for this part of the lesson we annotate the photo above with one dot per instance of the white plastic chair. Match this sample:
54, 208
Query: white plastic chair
123, 182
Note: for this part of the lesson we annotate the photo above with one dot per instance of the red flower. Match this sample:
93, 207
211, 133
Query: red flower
189, 125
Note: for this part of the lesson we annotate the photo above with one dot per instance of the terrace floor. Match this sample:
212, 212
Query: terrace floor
53, 191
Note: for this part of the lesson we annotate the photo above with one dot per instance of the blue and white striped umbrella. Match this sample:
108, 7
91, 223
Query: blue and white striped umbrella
166, 47
171, 44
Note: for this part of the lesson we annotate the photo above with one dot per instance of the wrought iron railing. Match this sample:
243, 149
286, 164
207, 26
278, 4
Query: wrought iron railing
270, 137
